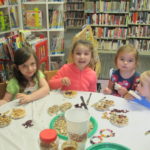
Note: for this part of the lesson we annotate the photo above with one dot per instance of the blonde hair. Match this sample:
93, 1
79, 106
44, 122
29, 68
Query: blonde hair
145, 76
127, 49
91, 48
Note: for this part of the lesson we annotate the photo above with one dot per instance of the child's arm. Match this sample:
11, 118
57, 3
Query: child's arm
40, 93
93, 85
109, 89
7, 97
60, 79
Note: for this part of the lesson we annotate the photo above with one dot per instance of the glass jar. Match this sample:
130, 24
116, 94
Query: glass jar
48, 139
69, 145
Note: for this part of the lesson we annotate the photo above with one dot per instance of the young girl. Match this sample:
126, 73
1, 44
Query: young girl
77, 75
143, 89
28, 83
125, 77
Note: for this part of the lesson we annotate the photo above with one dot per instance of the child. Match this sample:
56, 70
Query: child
77, 75
125, 77
27, 79
143, 89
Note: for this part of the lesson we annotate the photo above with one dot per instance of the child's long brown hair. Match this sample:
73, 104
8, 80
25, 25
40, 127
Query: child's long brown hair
20, 57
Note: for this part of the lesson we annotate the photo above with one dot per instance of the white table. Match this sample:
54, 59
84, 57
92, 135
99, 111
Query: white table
17, 137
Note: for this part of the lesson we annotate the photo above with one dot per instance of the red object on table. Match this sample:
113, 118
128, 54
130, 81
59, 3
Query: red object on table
48, 135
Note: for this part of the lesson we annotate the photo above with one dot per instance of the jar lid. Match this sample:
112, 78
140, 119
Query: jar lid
48, 135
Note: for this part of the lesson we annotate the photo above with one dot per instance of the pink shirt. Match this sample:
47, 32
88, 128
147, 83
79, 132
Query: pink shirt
81, 80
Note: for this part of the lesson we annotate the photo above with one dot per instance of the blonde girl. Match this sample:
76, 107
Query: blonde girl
28, 83
143, 90
125, 77
77, 75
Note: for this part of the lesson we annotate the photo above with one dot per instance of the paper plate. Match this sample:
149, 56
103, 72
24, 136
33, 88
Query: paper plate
92, 120
107, 146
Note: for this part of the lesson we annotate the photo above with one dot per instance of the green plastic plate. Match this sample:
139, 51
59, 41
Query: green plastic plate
107, 146
92, 120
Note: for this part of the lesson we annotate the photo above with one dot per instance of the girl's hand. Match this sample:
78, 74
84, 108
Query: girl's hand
122, 91
23, 98
128, 96
2, 102
66, 81
107, 91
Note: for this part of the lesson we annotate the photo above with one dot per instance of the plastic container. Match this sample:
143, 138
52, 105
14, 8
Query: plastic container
48, 139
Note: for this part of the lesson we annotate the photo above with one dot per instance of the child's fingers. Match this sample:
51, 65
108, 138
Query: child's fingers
107, 91
66, 81
128, 96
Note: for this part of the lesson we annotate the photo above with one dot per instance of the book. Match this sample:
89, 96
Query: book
33, 19
14, 17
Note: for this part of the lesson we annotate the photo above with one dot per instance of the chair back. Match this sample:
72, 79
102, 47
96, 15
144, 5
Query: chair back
50, 74
2, 89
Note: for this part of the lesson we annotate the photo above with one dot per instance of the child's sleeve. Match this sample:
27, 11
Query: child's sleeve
13, 87
41, 74
93, 86
143, 102
55, 82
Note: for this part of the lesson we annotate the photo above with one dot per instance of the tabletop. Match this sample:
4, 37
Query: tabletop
16, 137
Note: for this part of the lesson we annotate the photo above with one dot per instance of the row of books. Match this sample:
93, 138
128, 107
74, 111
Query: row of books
5, 70
74, 0
103, 6
4, 22
70, 6
33, 0
141, 45
6, 52
107, 19
140, 4
110, 44
117, 6
74, 14
74, 22
56, 63
110, 32
140, 17
56, 18
9, 2
139, 31
57, 44
12, 2
14, 18
8, 46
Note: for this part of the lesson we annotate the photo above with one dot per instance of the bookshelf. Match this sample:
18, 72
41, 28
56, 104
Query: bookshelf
9, 24
9, 18
46, 17
74, 14
139, 25
109, 20
118, 22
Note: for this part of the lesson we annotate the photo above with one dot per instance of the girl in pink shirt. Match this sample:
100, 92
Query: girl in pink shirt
77, 75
